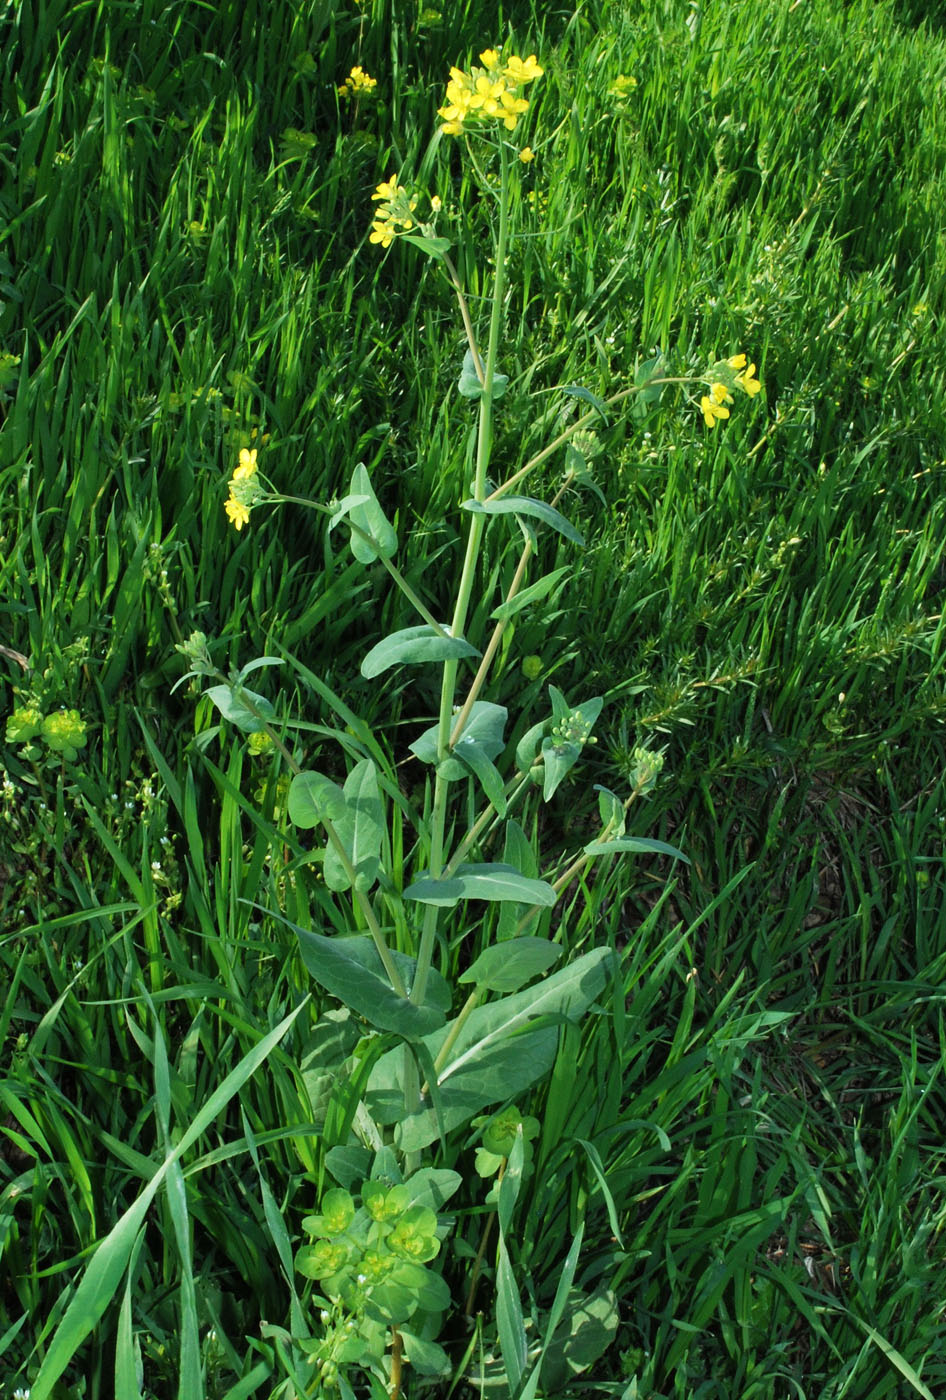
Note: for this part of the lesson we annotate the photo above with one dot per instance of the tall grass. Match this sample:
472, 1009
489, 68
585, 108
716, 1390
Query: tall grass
750, 1126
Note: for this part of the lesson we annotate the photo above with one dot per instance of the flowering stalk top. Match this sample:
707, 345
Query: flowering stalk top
490, 93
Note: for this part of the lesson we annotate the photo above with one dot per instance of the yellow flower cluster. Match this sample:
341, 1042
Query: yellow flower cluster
357, 84
713, 404
394, 215
244, 489
490, 93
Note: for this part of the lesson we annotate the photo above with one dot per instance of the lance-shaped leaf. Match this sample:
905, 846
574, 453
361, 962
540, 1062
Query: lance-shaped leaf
491, 882
533, 594
234, 703
633, 843
526, 505
360, 829
575, 391
371, 520
487, 774
313, 797
412, 646
484, 728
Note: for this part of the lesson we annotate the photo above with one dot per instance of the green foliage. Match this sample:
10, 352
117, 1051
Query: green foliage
740, 1095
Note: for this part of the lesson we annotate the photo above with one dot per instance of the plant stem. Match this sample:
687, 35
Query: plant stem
465, 588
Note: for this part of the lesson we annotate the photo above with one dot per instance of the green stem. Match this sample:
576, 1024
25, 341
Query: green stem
467, 577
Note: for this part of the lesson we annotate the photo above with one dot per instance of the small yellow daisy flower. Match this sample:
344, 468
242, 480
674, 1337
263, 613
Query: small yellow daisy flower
526, 154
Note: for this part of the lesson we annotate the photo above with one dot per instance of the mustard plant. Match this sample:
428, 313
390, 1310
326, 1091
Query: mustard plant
440, 1052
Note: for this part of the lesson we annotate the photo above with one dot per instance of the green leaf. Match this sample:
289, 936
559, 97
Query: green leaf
633, 843
575, 391
484, 729
469, 382
533, 594
413, 646
526, 505
312, 796
611, 809
487, 774
436, 247
505, 967
104, 1272
527, 749
587, 1330
510, 1323
360, 829
427, 1358
492, 882
234, 709
371, 519
342, 508
497, 1055
351, 970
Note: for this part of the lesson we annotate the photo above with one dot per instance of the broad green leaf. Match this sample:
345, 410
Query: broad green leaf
587, 1330
533, 594
497, 1053
469, 383
571, 728
433, 1186
645, 373
484, 728
505, 967
633, 843
371, 519
360, 830
575, 391
427, 1358
412, 646
351, 970
235, 709
312, 796
526, 505
492, 882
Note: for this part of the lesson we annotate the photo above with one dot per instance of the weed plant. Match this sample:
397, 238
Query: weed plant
738, 1163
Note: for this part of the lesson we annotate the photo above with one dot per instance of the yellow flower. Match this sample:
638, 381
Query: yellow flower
737, 362
523, 70
526, 154
237, 512
747, 383
383, 231
712, 410
436, 204
720, 394
388, 189
247, 467
489, 59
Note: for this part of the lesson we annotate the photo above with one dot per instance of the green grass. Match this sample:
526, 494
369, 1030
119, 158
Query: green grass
176, 274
